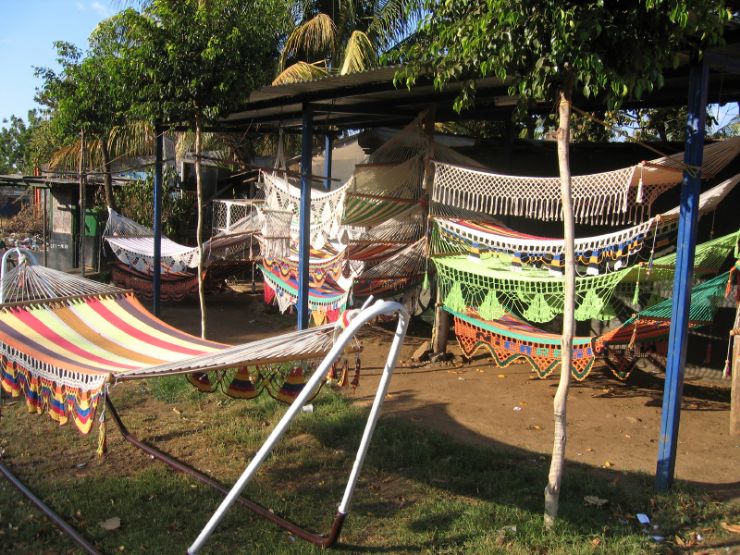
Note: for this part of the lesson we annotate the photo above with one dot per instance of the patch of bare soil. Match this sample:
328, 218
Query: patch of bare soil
611, 424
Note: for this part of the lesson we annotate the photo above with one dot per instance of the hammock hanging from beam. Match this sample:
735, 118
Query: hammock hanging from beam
490, 288
600, 254
133, 245
619, 196
509, 339
325, 302
396, 273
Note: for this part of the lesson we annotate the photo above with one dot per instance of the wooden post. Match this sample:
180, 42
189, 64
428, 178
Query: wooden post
82, 205
328, 147
157, 218
441, 330
735, 399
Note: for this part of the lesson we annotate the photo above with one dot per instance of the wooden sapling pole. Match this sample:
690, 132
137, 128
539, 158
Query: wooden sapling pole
560, 402
735, 399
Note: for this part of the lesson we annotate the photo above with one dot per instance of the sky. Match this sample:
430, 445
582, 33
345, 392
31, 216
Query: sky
28, 30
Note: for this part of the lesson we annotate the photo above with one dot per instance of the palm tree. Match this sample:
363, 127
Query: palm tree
343, 36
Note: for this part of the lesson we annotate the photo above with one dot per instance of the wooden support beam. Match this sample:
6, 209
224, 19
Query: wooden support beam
441, 331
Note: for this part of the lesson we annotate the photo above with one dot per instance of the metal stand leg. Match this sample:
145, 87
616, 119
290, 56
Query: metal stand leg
55, 518
380, 307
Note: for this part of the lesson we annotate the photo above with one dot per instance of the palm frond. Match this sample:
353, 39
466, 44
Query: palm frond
394, 20
300, 72
359, 54
134, 139
317, 36
67, 158
210, 142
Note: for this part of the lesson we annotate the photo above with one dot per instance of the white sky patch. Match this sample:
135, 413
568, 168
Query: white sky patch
100, 9
80, 6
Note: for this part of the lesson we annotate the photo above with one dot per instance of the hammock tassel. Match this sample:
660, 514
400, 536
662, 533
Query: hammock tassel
516, 262
593, 264
728, 288
638, 199
633, 338
636, 294
102, 440
356, 379
727, 372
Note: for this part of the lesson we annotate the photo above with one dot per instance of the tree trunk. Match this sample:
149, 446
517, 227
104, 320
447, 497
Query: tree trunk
552, 491
107, 178
199, 233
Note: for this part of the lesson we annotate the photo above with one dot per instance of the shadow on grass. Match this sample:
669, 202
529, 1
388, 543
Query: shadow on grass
420, 491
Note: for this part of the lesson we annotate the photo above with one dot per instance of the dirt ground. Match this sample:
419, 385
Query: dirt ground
611, 424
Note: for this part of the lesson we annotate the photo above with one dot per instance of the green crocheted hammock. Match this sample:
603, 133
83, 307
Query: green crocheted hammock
509, 340
491, 289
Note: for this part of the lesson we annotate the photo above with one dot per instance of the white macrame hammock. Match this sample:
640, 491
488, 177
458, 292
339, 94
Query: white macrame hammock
631, 240
614, 197
326, 208
133, 244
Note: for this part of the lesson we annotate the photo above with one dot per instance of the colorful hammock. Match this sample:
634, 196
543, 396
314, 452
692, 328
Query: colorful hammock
397, 273
61, 351
599, 254
509, 339
325, 302
624, 195
323, 264
491, 289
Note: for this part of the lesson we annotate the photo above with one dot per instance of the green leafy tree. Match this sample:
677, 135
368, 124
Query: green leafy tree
343, 36
546, 50
91, 94
198, 60
16, 155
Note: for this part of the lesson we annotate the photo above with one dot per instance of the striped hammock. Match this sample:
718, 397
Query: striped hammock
600, 254
61, 353
390, 184
619, 196
509, 339
396, 273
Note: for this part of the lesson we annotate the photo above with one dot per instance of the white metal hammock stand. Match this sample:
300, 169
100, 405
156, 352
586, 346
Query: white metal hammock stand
379, 308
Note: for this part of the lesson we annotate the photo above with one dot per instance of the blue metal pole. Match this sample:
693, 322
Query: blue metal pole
157, 276
685, 248
304, 232
328, 146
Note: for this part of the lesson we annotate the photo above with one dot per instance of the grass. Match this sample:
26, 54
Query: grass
419, 492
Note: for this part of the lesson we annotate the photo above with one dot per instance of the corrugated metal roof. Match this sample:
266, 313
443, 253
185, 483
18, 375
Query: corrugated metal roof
370, 99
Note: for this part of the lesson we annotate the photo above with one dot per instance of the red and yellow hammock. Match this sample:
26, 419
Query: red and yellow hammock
61, 353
